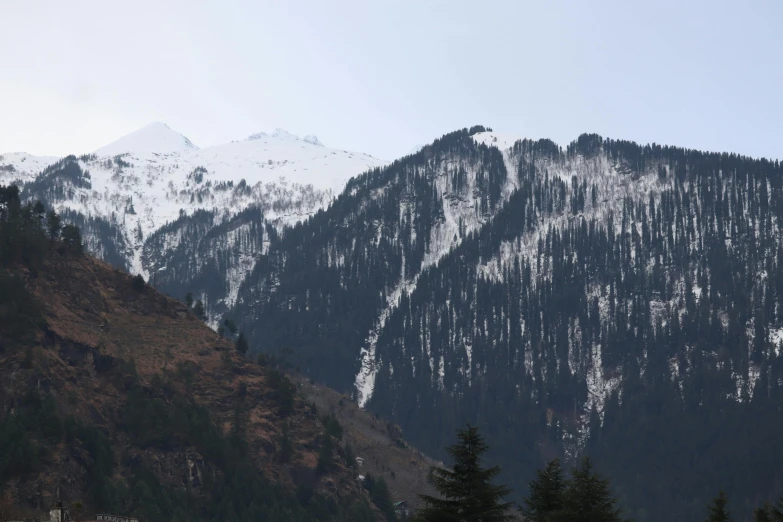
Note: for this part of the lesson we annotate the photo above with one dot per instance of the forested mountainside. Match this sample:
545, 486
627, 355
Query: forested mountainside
610, 299
154, 203
115, 398
607, 299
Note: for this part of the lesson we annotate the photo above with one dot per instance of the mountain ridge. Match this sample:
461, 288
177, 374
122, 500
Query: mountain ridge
126, 200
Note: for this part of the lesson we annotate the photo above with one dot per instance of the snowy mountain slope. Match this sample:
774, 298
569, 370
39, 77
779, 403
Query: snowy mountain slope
20, 167
155, 138
154, 180
459, 219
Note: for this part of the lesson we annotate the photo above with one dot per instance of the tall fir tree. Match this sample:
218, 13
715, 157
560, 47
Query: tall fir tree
546, 493
718, 510
467, 490
588, 497
769, 513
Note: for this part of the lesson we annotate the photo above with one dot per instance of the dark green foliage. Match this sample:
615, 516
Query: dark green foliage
187, 372
22, 236
380, 496
467, 491
546, 493
189, 299
230, 326
283, 391
19, 312
333, 427
106, 237
26, 433
718, 510
286, 445
588, 498
350, 456
53, 225
72, 239
152, 418
198, 309
769, 513
325, 455
478, 128
102, 490
138, 283
241, 344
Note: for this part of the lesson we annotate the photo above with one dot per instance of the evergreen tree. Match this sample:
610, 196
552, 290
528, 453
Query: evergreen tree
189, 299
769, 513
718, 510
53, 224
325, 455
241, 344
72, 238
546, 493
467, 490
286, 445
588, 498
198, 309
231, 326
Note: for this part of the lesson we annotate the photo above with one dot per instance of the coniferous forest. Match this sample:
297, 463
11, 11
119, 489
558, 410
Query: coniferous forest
609, 299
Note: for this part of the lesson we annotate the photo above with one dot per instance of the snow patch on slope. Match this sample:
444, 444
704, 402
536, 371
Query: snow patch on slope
459, 209
501, 140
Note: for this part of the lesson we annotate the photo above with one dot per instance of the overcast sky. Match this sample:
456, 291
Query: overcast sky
381, 77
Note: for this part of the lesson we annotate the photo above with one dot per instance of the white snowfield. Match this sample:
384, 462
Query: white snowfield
20, 167
151, 176
154, 138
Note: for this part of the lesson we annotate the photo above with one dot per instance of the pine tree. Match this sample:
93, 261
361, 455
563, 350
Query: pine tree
53, 224
467, 490
198, 309
286, 445
72, 238
241, 344
588, 498
546, 493
718, 511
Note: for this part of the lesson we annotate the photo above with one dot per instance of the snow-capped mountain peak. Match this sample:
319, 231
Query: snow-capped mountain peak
155, 176
155, 138
284, 135
313, 140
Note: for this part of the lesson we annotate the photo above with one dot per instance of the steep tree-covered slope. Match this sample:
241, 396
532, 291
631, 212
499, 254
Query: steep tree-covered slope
612, 299
116, 398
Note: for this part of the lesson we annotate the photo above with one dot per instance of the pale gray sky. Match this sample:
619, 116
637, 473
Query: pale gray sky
383, 76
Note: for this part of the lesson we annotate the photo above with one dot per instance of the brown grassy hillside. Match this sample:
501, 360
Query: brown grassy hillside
104, 344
